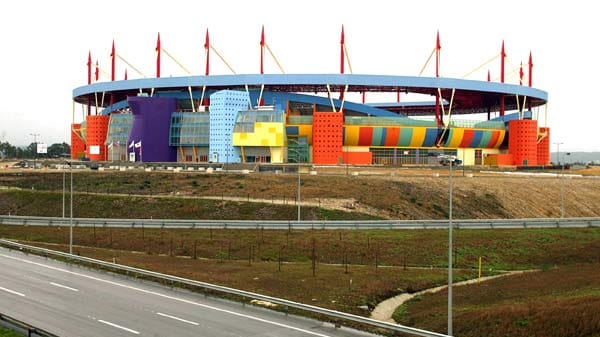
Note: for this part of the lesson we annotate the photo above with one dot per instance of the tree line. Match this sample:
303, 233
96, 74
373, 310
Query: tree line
56, 150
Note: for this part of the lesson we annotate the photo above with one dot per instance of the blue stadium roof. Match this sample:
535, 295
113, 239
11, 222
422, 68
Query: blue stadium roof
470, 96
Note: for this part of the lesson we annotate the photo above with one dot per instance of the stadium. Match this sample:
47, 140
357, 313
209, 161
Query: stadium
305, 118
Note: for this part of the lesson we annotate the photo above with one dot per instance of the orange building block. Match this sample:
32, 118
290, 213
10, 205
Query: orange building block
77, 144
327, 137
543, 147
97, 127
522, 141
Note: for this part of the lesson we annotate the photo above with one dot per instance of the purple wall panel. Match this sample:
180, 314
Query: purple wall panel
151, 122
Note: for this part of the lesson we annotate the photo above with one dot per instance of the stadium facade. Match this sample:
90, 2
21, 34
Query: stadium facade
294, 118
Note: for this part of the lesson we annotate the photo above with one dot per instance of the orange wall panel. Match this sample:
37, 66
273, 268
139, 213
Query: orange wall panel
327, 137
77, 144
522, 142
358, 158
97, 127
543, 147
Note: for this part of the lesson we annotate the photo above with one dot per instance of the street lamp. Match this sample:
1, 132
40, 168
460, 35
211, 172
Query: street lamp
35, 135
450, 160
71, 208
298, 191
562, 182
63, 195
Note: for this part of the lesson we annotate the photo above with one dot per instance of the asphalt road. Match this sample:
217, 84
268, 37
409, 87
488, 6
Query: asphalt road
70, 300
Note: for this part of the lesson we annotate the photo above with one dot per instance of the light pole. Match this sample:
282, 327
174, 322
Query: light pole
298, 191
450, 160
450, 266
71, 212
562, 182
35, 135
63, 199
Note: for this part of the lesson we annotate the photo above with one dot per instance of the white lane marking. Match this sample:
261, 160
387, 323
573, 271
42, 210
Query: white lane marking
169, 297
118, 326
63, 286
177, 318
12, 292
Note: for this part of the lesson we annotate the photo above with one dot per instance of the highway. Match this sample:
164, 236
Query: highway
69, 300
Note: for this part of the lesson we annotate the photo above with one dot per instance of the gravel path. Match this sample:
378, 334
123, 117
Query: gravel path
384, 310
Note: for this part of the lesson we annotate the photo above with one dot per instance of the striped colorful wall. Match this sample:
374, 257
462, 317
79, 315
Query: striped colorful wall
421, 137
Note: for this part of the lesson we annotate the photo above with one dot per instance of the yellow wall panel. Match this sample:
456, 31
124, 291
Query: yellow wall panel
305, 131
466, 155
351, 135
276, 154
265, 134
418, 137
457, 136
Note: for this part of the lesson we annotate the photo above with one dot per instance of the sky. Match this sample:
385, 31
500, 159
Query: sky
46, 45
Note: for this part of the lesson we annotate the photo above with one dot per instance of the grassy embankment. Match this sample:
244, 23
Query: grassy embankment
390, 196
562, 299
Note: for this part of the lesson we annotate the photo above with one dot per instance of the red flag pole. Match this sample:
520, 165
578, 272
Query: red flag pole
262, 49
112, 61
530, 72
97, 71
342, 59
489, 78
207, 47
342, 51
438, 48
89, 68
521, 74
502, 57
89, 80
125, 74
158, 56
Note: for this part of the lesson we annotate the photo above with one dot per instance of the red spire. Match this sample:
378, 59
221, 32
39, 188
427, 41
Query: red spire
488, 79
97, 71
207, 47
530, 73
125, 74
438, 47
521, 74
502, 57
342, 59
262, 49
112, 61
158, 48
89, 66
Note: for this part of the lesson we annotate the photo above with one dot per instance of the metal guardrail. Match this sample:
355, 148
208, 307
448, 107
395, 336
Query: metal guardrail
23, 328
252, 224
226, 290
